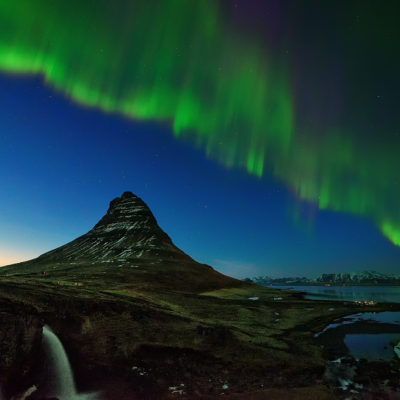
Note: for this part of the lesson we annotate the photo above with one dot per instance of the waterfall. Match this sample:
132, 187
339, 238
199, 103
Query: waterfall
63, 383
62, 378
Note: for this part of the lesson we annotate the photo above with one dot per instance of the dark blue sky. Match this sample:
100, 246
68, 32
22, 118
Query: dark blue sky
62, 163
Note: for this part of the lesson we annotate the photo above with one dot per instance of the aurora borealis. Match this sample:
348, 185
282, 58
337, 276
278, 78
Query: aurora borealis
307, 94
168, 60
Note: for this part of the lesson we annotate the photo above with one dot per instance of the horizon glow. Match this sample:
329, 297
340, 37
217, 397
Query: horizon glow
7, 258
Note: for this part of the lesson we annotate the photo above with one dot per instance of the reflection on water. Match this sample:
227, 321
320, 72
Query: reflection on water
378, 294
372, 347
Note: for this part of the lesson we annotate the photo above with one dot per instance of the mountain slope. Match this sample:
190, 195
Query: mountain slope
125, 247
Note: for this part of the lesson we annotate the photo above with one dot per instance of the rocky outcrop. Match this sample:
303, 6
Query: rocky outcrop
20, 341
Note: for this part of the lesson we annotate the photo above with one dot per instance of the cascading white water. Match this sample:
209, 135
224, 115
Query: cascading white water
63, 383
62, 378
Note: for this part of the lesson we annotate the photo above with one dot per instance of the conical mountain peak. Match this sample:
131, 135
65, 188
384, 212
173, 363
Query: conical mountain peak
125, 212
128, 232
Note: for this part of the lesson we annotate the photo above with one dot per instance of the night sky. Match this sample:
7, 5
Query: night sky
264, 135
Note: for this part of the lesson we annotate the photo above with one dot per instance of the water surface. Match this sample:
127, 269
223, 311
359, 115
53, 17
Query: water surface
372, 347
378, 294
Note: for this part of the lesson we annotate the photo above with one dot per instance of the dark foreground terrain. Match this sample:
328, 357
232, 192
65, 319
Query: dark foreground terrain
142, 320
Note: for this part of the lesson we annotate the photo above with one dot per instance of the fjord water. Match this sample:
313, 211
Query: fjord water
379, 294
61, 374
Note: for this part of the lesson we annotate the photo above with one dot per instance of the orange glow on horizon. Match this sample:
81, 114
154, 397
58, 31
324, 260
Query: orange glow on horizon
7, 258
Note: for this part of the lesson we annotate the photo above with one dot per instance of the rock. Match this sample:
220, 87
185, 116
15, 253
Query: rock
27, 394
215, 334
20, 341
396, 350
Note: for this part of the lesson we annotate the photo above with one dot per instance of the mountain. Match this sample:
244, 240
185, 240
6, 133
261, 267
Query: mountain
267, 280
128, 232
372, 277
349, 278
126, 245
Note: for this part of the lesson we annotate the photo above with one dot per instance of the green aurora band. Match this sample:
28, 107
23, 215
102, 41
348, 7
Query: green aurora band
179, 62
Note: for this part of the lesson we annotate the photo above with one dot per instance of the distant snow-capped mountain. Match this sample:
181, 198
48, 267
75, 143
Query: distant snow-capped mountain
357, 277
350, 278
